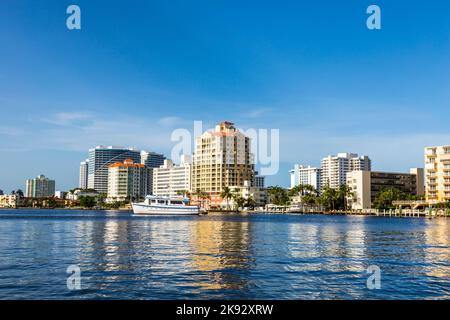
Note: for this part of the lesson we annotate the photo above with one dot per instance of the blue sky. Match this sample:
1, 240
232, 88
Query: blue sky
137, 70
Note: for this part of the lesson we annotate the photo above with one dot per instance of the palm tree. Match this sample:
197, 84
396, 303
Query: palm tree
227, 195
344, 193
184, 193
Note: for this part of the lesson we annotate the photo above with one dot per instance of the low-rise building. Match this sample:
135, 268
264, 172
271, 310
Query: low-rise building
365, 185
75, 195
9, 200
169, 179
60, 194
247, 191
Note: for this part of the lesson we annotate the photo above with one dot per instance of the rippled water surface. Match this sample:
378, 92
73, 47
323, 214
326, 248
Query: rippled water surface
221, 256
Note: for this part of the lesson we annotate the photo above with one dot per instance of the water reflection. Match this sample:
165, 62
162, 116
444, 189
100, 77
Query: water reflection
254, 256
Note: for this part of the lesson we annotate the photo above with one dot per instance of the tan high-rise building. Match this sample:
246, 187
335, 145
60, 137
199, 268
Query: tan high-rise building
437, 174
222, 158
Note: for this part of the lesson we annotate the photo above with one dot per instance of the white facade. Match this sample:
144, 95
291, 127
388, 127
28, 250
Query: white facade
360, 184
335, 168
168, 179
84, 170
302, 175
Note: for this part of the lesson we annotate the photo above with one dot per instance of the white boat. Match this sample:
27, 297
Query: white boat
154, 205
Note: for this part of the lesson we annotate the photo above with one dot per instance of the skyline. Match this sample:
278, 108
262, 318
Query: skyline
314, 71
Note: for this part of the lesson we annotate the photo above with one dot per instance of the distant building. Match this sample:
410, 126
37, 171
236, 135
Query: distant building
9, 200
77, 193
365, 185
60, 194
259, 181
1, 192
437, 173
302, 175
169, 179
84, 171
151, 160
247, 191
99, 160
334, 168
40, 187
127, 180
222, 158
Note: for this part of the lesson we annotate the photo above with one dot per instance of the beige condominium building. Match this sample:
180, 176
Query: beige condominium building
437, 174
170, 179
127, 180
365, 185
222, 158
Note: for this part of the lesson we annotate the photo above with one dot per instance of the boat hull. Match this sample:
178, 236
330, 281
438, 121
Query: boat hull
164, 210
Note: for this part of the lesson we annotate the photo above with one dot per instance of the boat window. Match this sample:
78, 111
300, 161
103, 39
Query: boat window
175, 202
161, 202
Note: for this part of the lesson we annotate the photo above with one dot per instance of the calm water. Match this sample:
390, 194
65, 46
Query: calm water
240, 257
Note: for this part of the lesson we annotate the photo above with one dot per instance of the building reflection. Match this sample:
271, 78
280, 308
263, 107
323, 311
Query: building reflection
222, 253
437, 249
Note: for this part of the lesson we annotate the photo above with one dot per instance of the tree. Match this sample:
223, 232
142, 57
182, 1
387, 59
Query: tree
250, 202
329, 198
345, 192
238, 201
278, 196
184, 193
87, 202
227, 195
385, 197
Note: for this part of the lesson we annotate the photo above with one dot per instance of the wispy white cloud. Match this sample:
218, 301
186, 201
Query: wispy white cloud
69, 118
170, 121
256, 113
80, 131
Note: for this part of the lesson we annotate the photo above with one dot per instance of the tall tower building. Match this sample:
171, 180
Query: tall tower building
100, 158
40, 187
437, 174
84, 169
151, 160
334, 168
222, 158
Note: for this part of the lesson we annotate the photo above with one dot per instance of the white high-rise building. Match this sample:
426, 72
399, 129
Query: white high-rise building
169, 179
335, 168
84, 170
305, 176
